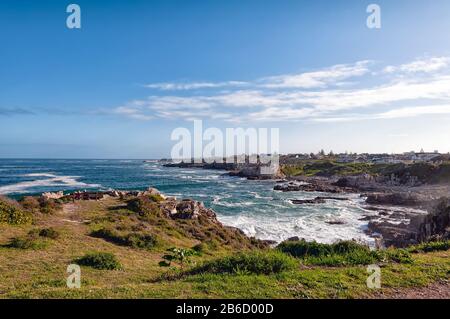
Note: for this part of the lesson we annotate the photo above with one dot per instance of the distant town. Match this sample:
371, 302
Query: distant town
383, 158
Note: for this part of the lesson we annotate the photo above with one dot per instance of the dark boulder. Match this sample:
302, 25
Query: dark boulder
396, 199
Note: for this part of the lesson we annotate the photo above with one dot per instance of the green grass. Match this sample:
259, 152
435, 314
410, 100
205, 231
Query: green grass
41, 273
430, 246
257, 262
329, 168
341, 253
425, 172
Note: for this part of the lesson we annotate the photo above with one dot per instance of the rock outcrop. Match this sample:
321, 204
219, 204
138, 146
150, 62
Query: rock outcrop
317, 200
310, 186
412, 227
396, 199
50, 195
191, 209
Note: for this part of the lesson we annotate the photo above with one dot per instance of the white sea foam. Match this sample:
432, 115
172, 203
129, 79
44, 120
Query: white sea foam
39, 175
309, 223
51, 181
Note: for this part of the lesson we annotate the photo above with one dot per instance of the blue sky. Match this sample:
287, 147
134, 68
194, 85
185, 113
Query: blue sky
136, 70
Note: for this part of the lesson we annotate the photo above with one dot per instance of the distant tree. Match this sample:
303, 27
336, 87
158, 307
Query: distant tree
331, 154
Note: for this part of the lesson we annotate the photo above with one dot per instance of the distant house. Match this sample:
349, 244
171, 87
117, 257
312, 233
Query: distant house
426, 157
345, 158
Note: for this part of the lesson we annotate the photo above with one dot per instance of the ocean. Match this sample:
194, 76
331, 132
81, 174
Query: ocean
252, 206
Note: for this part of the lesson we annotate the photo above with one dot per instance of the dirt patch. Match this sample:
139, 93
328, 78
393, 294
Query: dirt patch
440, 290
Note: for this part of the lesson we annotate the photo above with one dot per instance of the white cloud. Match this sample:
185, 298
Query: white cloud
167, 86
404, 112
318, 79
425, 65
317, 96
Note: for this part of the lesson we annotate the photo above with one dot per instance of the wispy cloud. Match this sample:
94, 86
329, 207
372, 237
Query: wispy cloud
425, 65
404, 112
316, 95
343, 92
7, 111
306, 80
318, 79
167, 86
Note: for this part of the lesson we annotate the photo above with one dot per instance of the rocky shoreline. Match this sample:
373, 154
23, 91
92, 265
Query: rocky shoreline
396, 215
402, 215
250, 171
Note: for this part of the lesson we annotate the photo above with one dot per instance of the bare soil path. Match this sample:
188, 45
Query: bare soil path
439, 290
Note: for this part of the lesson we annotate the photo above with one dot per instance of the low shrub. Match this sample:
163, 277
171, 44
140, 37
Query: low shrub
341, 253
257, 262
132, 239
430, 246
100, 260
12, 214
30, 204
155, 198
30, 241
397, 255
139, 240
199, 248
35, 239
49, 233
180, 256
353, 258
303, 248
26, 243
145, 207
49, 206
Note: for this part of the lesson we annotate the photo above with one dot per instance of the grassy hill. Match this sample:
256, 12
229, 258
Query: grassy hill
431, 173
128, 244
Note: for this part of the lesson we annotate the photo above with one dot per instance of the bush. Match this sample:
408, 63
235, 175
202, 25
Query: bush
258, 262
180, 256
145, 207
99, 260
49, 233
430, 246
199, 248
12, 214
341, 253
30, 203
45, 206
139, 240
33, 240
30, 241
132, 239
49, 206
26, 243
155, 198
401, 256
303, 248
